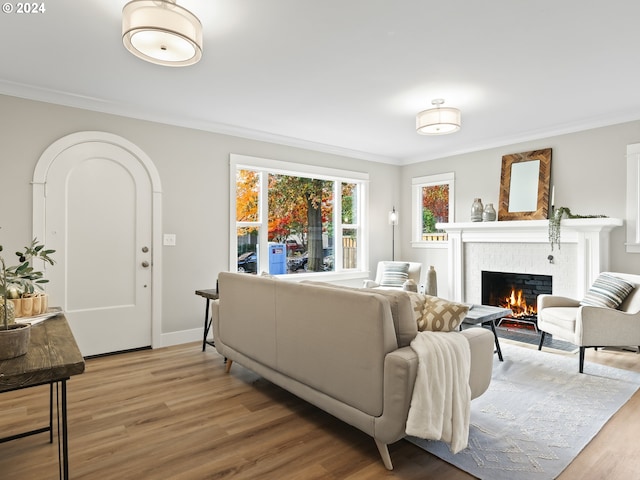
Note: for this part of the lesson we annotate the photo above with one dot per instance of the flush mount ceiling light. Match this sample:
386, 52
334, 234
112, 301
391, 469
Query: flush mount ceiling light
439, 120
162, 32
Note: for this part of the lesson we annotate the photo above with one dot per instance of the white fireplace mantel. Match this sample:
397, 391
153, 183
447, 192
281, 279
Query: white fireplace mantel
590, 234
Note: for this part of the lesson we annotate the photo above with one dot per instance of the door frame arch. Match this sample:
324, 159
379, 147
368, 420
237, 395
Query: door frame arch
39, 183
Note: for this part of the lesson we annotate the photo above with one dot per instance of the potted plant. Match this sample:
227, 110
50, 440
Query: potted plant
555, 223
18, 282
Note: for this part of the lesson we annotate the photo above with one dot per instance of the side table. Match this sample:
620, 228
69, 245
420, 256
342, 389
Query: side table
486, 314
209, 295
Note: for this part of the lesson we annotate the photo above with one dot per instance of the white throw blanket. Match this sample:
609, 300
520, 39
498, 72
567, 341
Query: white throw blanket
441, 401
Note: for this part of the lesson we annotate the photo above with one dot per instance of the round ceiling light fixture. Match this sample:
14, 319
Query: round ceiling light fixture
438, 120
162, 32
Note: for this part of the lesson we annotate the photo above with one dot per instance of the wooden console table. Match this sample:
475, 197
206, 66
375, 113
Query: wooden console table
53, 357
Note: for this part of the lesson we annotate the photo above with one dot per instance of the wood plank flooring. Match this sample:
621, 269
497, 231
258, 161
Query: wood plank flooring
173, 413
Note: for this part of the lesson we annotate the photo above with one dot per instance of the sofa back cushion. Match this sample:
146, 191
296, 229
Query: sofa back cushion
404, 322
335, 341
330, 339
403, 318
247, 315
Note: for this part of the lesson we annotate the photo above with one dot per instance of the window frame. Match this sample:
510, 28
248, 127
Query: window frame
338, 176
417, 183
632, 244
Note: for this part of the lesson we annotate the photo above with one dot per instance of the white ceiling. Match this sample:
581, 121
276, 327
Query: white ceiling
346, 76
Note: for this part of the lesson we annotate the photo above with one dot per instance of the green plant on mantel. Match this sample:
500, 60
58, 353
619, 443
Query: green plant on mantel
22, 279
556, 219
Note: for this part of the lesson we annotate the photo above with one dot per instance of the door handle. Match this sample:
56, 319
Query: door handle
145, 264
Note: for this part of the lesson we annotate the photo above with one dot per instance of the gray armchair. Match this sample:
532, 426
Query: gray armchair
589, 326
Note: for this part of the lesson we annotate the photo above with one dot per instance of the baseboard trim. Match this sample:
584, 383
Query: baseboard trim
182, 336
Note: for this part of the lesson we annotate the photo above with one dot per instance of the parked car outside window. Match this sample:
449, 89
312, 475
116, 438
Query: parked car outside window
248, 262
293, 246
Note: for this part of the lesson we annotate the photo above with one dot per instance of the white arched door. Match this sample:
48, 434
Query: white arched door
97, 213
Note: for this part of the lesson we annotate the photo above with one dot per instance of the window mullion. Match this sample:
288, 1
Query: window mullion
263, 237
337, 223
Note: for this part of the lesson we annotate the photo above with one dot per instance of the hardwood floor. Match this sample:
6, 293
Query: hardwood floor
173, 413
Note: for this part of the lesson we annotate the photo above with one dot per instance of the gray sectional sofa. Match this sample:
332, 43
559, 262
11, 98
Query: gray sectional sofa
344, 350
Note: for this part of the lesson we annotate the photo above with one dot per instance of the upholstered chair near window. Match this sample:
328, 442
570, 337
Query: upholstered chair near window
608, 316
393, 275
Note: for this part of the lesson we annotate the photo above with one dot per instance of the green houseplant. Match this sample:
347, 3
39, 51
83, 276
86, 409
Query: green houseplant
555, 222
17, 282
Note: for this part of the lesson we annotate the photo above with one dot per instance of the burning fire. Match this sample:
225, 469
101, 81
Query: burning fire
518, 305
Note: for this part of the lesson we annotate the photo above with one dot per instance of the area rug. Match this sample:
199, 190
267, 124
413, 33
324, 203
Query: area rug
537, 415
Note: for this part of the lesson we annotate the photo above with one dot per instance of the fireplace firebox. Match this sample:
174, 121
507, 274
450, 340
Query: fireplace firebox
517, 291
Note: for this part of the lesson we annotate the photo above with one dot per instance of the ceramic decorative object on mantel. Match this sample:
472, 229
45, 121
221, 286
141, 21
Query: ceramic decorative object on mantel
432, 282
18, 297
476, 210
489, 213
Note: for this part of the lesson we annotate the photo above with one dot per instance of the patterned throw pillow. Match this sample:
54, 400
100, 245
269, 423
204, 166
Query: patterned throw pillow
417, 306
607, 291
440, 315
394, 274
437, 314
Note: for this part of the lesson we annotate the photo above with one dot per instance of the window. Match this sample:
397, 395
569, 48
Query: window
293, 219
633, 198
432, 203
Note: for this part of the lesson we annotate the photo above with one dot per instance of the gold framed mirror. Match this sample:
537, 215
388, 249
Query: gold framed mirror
524, 185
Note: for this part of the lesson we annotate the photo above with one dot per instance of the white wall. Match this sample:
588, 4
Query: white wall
588, 170
194, 170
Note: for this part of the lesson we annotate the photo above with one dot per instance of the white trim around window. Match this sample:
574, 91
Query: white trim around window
417, 183
237, 161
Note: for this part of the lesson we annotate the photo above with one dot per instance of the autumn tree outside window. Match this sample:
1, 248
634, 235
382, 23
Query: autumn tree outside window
432, 203
314, 213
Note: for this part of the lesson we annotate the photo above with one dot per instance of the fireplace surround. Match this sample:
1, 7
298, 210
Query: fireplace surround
523, 246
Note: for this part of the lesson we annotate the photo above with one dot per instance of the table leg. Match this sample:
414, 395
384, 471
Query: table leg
51, 412
65, 435
495, 336
207, 325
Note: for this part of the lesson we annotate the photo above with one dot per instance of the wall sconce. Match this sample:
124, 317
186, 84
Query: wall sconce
393, 221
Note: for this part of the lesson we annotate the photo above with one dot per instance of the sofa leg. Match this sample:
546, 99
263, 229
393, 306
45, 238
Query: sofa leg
227, 367
542, 334
384, 453
581, 360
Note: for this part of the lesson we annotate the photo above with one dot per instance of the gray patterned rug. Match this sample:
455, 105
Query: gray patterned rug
537, 415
